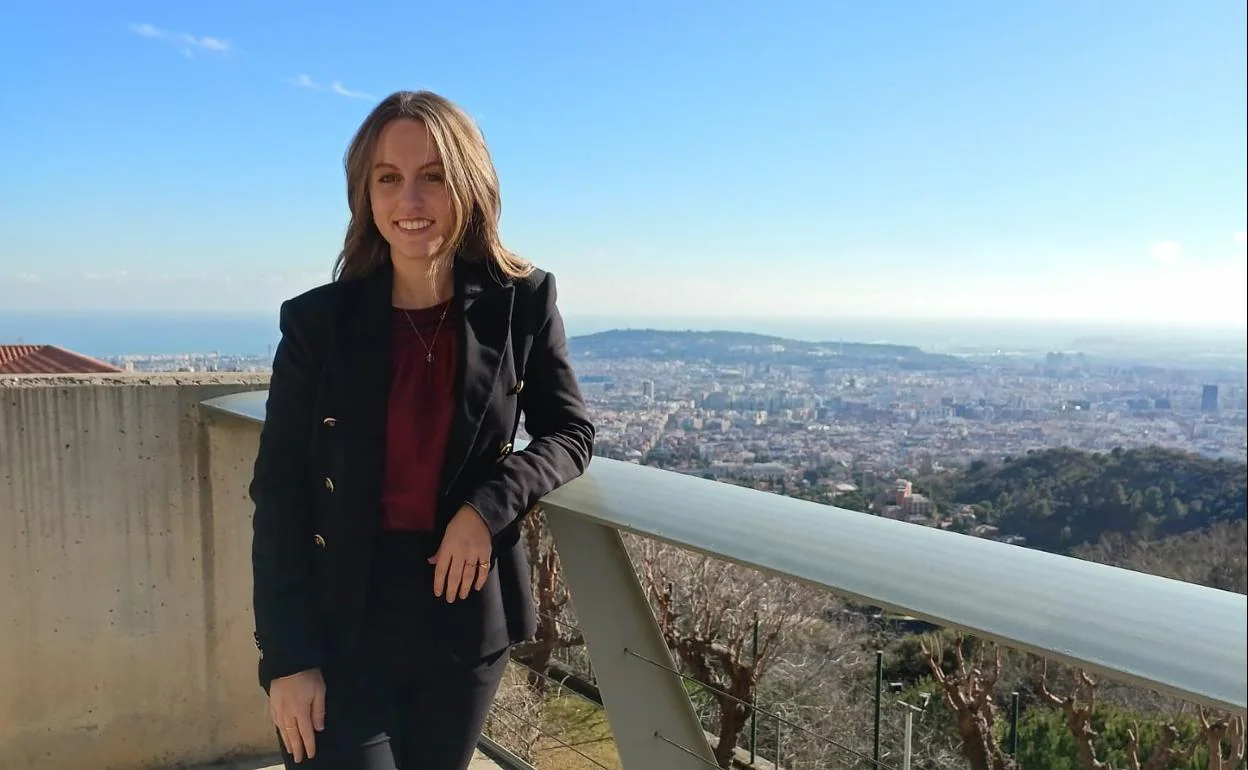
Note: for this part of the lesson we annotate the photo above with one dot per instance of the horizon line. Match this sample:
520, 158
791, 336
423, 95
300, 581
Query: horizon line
634, 317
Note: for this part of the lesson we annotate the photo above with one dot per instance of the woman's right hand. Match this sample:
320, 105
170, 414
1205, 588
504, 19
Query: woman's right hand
297, 706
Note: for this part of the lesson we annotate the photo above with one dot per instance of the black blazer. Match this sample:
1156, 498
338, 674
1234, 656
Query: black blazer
320, 466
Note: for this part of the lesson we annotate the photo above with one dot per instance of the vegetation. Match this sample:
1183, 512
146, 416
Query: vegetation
1060, 499
729, 347
1152, 510
1216, 556
551, 729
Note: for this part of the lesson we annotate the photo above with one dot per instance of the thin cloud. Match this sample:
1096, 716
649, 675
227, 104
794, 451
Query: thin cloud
29, 277
304, 81
339, 89
308, 82
298, 280
113, 276
1166, 252
188, 43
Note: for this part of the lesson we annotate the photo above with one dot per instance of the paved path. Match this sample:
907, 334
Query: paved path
479, 762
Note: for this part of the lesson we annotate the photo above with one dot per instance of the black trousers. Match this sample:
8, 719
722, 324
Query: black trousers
410, 703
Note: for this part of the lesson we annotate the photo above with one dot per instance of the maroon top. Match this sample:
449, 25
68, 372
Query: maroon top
422, 401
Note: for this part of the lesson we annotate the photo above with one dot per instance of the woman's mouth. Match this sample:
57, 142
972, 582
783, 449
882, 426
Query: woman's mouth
412, 225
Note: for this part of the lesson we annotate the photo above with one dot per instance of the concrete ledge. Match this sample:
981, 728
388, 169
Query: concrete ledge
125, 608
125, 629
263, 763
135, 379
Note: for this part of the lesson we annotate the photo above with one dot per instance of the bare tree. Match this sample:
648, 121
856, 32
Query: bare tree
968, 691
1168, 752
1224, 737
1077, 709
1078, 706
815, 682
1212, 556
517, 718
706, 609
555, 630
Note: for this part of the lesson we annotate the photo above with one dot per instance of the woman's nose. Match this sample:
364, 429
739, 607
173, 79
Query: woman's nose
411, 193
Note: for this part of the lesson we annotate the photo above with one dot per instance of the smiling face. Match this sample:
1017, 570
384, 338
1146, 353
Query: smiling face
422, 191
410, 200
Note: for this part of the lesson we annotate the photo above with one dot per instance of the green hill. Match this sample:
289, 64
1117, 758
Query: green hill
1062, 498
733, 348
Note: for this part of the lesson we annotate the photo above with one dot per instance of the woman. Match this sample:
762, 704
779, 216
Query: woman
390, 580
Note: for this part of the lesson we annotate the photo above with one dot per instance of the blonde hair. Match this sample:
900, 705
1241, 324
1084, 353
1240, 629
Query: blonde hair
470, 179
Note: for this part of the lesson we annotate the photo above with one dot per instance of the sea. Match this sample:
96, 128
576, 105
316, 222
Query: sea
109, 334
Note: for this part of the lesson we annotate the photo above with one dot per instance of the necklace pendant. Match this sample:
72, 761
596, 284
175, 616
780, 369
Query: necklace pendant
429, 358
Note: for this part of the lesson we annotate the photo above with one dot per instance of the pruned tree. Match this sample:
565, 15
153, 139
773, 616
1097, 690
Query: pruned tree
1078, 708
555, 631
1224, 738
706, 610
1168, 752
968, 691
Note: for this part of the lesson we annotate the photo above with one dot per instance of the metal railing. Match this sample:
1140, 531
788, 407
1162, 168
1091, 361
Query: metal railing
1181, 639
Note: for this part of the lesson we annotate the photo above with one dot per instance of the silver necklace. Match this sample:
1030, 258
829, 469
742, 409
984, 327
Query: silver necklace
419, 336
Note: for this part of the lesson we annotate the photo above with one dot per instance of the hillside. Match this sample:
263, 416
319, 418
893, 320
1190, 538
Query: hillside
1063, 498
1216, 556
735, 348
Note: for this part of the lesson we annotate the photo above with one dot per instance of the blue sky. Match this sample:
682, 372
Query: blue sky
1049, 159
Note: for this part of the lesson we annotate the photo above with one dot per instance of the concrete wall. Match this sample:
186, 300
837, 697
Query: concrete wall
125, 628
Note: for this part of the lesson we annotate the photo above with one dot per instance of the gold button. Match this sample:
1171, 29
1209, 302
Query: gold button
330, 421
505, 449
320, 541
519, 387
329, 484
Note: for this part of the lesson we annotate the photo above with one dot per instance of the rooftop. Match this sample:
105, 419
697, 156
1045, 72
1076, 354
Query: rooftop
48, 359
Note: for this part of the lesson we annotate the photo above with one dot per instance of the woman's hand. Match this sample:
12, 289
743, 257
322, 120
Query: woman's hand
297, 706
463, 558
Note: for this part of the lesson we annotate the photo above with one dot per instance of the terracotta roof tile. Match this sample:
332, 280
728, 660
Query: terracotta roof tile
48, 359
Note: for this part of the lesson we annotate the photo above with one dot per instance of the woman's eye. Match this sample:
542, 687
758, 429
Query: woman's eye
387, 178
434, 176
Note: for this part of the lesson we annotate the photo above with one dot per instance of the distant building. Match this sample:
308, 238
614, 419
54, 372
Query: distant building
647, 390
868, 480
48, 359
715, 400
903, 500
985, 530
1209, 398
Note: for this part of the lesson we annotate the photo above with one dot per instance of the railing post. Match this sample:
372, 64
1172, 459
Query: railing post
879, 694
651, 717
905, 760
754, 699
1014, 724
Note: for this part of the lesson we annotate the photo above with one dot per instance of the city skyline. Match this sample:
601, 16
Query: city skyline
1070, 163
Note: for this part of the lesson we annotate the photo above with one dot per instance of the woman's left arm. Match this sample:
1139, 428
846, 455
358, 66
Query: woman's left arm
556, 419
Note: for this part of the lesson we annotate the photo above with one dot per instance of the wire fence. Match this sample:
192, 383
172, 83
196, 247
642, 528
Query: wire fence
901, 709
768, 715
